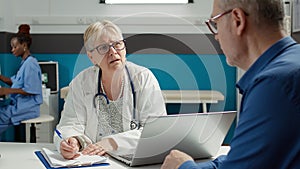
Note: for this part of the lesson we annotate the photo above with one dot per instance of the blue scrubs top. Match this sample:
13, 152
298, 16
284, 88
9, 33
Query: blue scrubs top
268, 130
22, 107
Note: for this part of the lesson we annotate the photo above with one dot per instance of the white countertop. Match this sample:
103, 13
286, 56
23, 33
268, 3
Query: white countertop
21, 155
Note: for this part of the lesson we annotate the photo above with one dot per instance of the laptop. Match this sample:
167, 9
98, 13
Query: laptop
198, 134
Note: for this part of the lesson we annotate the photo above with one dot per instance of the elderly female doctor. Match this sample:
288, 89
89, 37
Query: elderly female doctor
107, 103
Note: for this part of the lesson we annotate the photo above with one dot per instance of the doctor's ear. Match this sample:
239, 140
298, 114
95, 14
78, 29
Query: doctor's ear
89, 54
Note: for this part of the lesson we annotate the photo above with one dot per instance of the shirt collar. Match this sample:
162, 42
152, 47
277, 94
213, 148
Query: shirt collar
25, 59
263, 61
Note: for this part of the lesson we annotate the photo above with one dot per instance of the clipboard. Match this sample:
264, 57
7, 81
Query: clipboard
47, 165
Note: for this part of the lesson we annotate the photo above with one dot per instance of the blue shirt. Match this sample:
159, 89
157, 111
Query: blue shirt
268, 132
28, 78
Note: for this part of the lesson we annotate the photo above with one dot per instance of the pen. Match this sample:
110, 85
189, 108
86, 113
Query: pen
60, 136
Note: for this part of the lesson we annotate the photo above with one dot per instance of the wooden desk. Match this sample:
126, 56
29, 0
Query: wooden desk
21, 155
193, 96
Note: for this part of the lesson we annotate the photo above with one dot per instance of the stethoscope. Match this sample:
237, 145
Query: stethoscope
135, 123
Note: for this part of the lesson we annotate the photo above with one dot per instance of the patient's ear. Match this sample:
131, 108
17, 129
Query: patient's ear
240, 20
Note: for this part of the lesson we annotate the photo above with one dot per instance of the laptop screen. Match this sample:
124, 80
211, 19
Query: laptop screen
198, 134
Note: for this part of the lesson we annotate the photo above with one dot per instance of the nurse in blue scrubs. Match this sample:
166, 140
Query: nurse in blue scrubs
24, 96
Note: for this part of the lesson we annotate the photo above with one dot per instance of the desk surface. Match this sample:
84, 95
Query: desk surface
21, 155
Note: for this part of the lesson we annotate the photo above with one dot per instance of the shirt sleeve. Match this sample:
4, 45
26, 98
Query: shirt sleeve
74, 114
266, 122
150, 101
203, 165
32, 79
28, 78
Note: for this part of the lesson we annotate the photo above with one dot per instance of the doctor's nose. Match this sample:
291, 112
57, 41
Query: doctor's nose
112, 50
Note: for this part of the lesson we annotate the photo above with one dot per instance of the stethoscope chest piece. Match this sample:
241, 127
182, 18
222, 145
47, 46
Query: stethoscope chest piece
133, 125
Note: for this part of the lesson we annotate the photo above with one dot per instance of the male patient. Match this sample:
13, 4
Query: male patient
267, 136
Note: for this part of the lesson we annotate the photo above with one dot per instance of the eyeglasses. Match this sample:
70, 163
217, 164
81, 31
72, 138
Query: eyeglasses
104, 48
211, 23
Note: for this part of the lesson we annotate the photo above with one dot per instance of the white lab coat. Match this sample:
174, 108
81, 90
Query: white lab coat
79, 115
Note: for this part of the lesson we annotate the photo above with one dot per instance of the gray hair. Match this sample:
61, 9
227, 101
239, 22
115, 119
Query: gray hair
263, 12
98, 30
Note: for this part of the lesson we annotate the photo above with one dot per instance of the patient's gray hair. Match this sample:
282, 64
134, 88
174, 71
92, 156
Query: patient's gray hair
263, 12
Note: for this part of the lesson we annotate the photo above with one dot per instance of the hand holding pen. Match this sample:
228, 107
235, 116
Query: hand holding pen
68, 147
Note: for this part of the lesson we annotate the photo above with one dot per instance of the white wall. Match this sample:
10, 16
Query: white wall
73, 16
2, 12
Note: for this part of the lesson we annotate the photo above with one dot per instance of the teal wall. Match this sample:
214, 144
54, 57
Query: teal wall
182, 71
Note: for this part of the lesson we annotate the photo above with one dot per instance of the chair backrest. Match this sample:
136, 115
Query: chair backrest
64, 92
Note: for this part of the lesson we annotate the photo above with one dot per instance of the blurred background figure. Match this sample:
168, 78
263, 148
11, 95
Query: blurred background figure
22, 100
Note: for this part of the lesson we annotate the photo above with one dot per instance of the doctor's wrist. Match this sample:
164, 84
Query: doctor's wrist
82, 143
109, 144
112, 143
